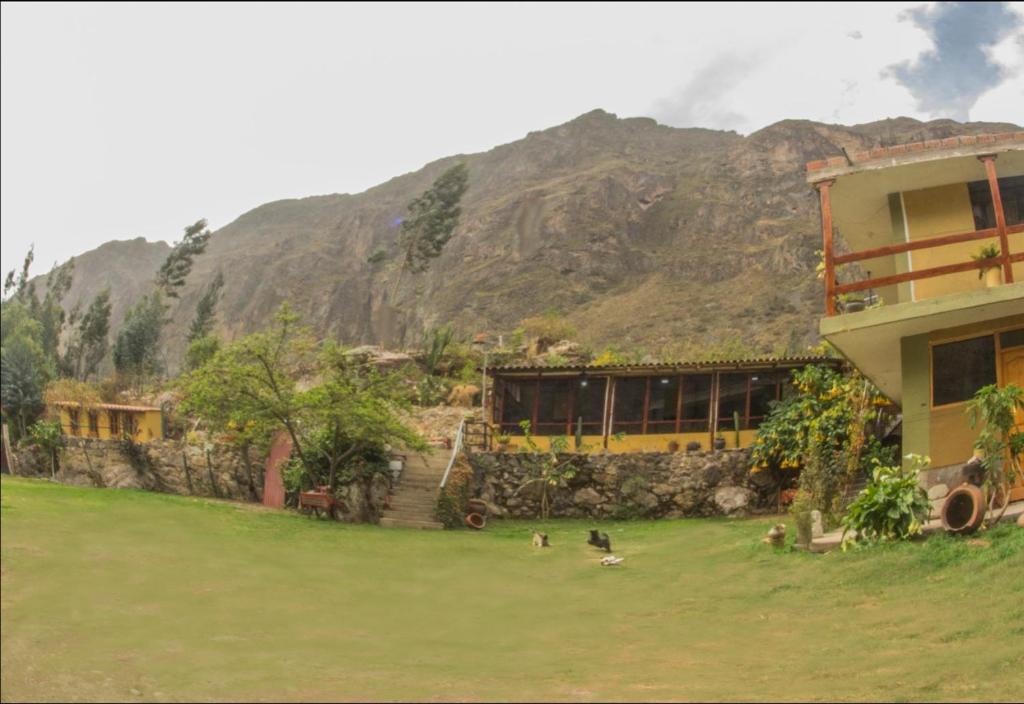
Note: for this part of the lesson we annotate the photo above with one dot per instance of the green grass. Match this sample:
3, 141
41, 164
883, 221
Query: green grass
121, 595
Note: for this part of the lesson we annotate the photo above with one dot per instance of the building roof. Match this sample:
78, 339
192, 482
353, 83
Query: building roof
681, 365
928, 149
110, 406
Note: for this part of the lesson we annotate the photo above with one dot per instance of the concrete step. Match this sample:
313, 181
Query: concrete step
402, 523
409, 515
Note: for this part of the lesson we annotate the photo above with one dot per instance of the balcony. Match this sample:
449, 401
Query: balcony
1007, 238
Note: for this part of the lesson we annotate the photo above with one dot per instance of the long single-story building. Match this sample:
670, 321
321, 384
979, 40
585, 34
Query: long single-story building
110, 421
642, 407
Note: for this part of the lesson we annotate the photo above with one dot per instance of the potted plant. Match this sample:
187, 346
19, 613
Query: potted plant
852, 302
503, 440
991, 272
719, 442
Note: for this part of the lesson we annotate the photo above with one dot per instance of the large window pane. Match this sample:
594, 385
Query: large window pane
1011, 191
661, 413
764, 391
732, 398
629, 405
553, 410
589, 405
959, 369
696, 403
517, 404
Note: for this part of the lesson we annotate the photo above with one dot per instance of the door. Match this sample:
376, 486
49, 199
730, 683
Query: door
1013, 373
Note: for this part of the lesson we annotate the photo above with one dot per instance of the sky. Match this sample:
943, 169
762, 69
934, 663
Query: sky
121, 120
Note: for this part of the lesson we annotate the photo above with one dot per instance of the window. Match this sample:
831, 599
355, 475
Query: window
589, 404
751, 395
959, 369
1011, 190
75, 425
553, 408
115, 424
696, 408
628, 414
663, 405
732, 399
1011, 338
517, 404
131, 424
94, 424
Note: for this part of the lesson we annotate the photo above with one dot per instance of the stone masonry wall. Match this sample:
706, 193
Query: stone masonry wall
648, 484
213, 470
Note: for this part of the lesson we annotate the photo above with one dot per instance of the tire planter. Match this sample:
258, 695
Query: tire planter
476, 521
963, 510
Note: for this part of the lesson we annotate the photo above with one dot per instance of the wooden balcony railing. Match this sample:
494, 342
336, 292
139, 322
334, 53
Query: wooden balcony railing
1005, 259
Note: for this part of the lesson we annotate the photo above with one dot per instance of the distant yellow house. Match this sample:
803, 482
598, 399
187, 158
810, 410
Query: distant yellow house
110, 421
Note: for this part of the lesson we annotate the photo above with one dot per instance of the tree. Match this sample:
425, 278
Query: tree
137, 349
432, 219
334, 410
89, 344
178, 264
202, 324
47, 435
25, 368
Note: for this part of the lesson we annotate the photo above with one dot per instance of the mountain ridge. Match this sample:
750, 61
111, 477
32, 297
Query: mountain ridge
638, 233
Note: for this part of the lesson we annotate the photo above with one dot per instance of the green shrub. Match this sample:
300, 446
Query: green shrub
893, 506
453, 501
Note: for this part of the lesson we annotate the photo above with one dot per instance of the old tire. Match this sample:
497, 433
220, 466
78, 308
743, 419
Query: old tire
963, 510
475, 521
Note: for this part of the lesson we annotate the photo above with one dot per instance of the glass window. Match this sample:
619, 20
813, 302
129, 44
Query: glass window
765, 389
629, 405
663, 405
1011, 338
73, 419
959, 369
589, 404
131, 424
732, 398
517, 404
696, 415
94, 424
553, 410
115, 423
1011, 190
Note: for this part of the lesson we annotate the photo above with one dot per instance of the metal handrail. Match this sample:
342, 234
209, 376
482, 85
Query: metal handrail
456, 448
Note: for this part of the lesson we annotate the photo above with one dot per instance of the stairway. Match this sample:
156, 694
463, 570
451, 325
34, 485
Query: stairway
415, 495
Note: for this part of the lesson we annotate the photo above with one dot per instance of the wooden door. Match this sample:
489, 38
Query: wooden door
1013, 373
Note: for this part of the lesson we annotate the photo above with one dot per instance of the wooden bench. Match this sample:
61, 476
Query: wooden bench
320, 500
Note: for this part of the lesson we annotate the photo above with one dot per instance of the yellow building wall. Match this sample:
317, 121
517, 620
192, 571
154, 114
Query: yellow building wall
644, 443
945, 210
149, 425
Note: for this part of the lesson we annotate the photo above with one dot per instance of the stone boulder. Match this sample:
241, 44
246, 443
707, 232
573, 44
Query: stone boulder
732, 500
587, 496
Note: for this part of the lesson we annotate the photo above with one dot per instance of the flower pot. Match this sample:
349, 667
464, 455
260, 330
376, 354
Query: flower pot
964, 509
673, 446
693, 446
853, 306
719, 443
993, 278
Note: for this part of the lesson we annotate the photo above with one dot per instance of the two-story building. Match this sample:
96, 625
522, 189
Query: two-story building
911, 298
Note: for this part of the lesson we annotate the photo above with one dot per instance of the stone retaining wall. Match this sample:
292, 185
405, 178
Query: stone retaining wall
177, 467
629, 485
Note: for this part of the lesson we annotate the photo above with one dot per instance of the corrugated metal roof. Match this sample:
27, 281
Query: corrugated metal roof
110, 406
676, 365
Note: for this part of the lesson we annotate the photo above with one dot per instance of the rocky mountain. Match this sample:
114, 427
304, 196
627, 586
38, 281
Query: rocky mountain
676, 240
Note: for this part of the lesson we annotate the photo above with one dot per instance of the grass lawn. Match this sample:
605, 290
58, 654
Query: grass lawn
122, 595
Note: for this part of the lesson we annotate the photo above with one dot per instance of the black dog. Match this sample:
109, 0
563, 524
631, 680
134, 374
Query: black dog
600, 541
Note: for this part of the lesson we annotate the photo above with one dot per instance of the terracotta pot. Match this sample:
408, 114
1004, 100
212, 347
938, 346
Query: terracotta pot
719, 443
673, 446
993, 278
476, 521
964, 510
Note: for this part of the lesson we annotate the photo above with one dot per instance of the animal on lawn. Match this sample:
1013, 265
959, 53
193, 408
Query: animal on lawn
600, 540
540, 540
776, 536
611, 561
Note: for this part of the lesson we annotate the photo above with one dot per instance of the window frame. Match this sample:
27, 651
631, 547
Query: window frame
997, 351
